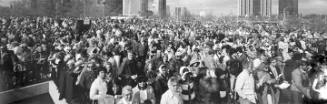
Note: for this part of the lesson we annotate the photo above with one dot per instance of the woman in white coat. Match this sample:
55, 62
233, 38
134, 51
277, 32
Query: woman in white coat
98, 91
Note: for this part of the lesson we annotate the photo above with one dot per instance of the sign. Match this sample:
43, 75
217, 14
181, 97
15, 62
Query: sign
86, 22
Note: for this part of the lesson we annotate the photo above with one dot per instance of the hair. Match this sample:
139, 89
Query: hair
202, 72
173, 79
142, 78
98, 70
147, 102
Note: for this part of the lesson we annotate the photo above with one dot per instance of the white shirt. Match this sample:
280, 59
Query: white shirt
322, 90
117, 59
98, 90
170, 98
245, 86
143, 95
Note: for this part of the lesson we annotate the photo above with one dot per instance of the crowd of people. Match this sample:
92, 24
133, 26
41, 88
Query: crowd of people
152, 61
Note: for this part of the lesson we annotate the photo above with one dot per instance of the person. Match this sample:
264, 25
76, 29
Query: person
126, 95
299, 87
98, 90
173, 94
205, 85
161, 82
266, 83
7, 61
115, 61
319, 84
245, 85
129, 70
187, 85
85, 80
143, 92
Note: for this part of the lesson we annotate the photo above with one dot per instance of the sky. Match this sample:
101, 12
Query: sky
229, 7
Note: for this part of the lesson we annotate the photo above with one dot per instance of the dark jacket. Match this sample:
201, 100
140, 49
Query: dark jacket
160, 86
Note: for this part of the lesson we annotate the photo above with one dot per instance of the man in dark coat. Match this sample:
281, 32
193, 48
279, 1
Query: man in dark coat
160, 84
85, 80
129, 70
300, 85
6, 66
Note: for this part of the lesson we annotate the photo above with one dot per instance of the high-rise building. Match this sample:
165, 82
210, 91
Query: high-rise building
241, 8
266, 6
178, 12
162, 8
134, 7
33, 4
113, 7
92, 8
126, 6
254, 7
144, 5
288, 7
168, 13
248, 7
155, 7
181, 13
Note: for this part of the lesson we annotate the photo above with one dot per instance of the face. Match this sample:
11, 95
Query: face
108, 67
102, 74
273, 62
142, 84
164, 70
174, 87
130, 56
158, 53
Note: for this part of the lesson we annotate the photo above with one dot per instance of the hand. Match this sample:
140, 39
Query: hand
271, 81
222, 76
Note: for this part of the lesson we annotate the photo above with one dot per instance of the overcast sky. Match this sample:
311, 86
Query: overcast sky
225, 7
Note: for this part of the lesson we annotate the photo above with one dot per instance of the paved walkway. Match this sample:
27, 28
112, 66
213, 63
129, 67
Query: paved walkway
40, 99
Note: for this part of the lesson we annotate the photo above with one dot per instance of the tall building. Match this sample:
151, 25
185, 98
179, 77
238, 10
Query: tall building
241, 8
33, 4
144, 5
168, 13
126, 6
134, 7
248, 7
113, 7
266, 6
91, 8
154, 7
162, 8
254, 7
181, 13
178, 12
288, 7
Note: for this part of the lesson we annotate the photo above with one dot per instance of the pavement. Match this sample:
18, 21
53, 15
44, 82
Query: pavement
40, 99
